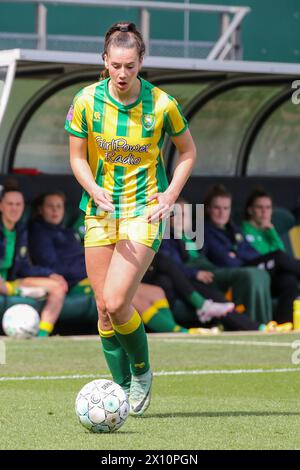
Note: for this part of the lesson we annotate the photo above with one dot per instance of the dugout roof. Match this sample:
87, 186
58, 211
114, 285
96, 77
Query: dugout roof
244, 116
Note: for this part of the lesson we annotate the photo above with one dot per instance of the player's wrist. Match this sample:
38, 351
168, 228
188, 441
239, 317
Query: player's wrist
93, 189
172, 195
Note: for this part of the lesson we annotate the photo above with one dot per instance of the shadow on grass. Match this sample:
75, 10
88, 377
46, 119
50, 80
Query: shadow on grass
221, 414
118, 432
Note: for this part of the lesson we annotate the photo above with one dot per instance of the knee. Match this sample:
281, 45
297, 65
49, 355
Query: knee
100, 306
245, 275
253, 275
158, 292
114, 304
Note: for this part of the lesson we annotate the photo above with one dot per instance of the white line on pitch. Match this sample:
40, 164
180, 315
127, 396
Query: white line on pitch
231, 342
54, 377
158, 374
228, 371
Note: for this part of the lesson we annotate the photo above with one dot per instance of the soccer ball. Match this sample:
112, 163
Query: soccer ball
21, 321
102, 406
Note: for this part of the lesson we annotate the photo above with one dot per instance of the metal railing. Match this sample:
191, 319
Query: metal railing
227, 46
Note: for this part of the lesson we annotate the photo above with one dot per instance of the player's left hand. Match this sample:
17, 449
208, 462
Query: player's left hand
163, 209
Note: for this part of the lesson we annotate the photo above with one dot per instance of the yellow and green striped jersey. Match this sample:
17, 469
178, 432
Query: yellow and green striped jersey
125, 143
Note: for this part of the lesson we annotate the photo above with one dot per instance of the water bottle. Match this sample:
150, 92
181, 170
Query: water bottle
296, 314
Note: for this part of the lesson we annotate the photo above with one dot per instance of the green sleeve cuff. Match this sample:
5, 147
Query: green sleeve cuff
77, 134
176, 134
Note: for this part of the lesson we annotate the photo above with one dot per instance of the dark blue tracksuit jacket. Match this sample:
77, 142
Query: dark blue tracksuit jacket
218, 243
57, 248
22, 266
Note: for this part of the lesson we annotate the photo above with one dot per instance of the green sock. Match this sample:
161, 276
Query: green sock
133, 339
159, 318
196, 300
42, 333
116, 358
12, 287
45, 329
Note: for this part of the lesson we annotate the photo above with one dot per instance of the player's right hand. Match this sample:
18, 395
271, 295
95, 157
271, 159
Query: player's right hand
103, 199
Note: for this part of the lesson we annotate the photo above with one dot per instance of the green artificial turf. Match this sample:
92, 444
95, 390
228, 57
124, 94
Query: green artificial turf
202, 407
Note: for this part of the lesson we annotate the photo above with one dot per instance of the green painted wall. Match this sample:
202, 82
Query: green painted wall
271, 32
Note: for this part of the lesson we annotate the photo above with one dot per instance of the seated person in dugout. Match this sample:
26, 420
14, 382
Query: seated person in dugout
225, 245
18, 275
157, 315
247, 287
210, 308
185, 279
56, 247
257, 226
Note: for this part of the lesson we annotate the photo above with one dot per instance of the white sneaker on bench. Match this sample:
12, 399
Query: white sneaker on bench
211, 309
33, 292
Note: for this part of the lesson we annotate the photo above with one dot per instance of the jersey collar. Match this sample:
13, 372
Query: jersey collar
117, 103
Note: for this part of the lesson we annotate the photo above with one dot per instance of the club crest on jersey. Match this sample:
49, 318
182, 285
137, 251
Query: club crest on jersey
97, 116
148, 121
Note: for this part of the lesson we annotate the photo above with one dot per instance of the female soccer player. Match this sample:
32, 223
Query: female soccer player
117, 130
